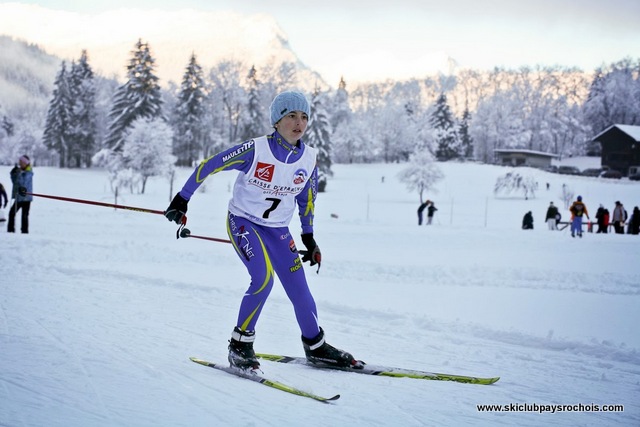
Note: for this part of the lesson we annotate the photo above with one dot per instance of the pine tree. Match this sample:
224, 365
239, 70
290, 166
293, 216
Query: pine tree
138, 98
466, 142
318, 134
344, 141
190, 134
442, 122
57, 129
256, 122
83, 112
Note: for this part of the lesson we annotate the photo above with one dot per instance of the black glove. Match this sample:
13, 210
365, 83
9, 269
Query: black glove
177, 209
22, 191
312, 254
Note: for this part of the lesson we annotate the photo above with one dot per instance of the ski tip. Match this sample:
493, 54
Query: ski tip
331, 399
200, 361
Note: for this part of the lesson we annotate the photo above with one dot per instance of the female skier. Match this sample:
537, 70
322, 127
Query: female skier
277, 174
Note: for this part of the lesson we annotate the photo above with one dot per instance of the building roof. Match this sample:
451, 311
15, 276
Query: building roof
631, 130
521, 151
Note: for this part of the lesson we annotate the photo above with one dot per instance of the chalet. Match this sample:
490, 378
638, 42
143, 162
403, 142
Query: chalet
620, 147
518, 157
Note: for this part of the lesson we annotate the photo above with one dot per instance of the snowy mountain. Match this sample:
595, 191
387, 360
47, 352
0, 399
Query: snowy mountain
26, 75
172, 36
100, 309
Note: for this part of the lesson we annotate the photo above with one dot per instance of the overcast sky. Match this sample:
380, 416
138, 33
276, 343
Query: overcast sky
411, 38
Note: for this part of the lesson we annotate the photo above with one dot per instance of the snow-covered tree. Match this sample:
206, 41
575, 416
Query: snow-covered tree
421, 174
188, 117
57, 128
466, 141
228, 97
139, 97
318, 135
345, 140
257, 122
443, 123
567, 196
7, 130
513, 181
147, 150
83, 127
614, 96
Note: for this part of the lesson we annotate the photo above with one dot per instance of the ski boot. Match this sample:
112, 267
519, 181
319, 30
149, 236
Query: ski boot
241, 354
319, 352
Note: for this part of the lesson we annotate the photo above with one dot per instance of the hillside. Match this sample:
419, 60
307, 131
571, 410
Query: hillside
27, 74
172, 36
100, 309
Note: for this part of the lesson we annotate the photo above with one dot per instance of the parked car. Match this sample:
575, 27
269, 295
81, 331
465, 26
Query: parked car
592, 172
551, 168
569, 170
635, 177
611, 173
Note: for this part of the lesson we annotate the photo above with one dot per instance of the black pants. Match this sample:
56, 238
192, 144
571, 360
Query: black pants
619, 227
24, 225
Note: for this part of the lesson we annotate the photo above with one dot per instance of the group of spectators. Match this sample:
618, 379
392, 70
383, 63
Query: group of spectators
604, 219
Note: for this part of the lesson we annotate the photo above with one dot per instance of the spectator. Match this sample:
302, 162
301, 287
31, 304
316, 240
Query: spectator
421, 209
578, 209
551, 217
22, 180
4, 199
619, 217
430, 211
527, 221
634, 221
601, 218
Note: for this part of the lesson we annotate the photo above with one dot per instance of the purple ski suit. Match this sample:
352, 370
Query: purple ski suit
258, 226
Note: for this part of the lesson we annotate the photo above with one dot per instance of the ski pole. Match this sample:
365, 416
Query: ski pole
185, 232
108, 205
182, 231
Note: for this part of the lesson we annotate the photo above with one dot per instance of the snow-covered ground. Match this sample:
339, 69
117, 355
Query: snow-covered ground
100, 309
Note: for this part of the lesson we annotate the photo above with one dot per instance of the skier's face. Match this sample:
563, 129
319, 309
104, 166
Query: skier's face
292, 126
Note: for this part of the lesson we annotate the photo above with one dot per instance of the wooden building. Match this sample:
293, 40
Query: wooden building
620, 147
518, 157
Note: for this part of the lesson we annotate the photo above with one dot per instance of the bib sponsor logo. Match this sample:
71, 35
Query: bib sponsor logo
264, 171
300, 176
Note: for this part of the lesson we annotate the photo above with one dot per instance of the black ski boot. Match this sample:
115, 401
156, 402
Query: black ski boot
319, 352
241, 354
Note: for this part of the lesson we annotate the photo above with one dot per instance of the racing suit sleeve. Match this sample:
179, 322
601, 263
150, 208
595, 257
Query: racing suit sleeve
306, 202
238, 157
